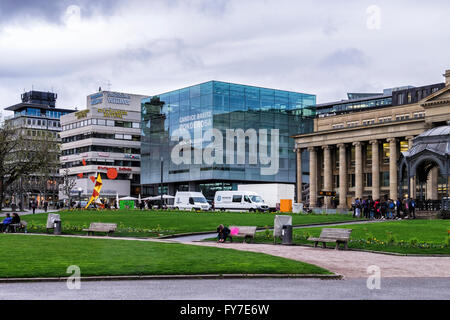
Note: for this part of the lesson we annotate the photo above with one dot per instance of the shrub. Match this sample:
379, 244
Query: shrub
267, 232
391, 238
413, 241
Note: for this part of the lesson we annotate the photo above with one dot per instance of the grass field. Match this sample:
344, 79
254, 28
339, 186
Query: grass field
406, 236
27, 256
157, 223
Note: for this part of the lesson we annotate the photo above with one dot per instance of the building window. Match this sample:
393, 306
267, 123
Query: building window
352, 123
351, 180
402, 117
368, 122
385, 179
369, 155
385, 153
338, 126
384, 119
368, 179
418, 115
404, 146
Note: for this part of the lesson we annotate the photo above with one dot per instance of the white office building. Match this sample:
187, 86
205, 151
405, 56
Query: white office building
104, 138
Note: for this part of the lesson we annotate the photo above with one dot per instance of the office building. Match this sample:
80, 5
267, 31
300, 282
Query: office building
216, 135
103, 138
37, 116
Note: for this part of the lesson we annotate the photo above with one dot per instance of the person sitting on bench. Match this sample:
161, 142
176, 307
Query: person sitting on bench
15, 221
6, 222
222, 233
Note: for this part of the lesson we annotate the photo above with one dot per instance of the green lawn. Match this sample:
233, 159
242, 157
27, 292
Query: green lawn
156, 223
406, 236
27, 256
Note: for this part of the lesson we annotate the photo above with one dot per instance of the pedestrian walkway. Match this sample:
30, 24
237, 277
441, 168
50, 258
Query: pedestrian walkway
27, 212
350, 264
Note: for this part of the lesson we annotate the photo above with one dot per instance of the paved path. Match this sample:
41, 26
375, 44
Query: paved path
393, 289
350, 264
198, 237
28, 212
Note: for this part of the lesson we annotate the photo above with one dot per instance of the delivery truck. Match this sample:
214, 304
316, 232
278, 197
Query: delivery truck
272, 193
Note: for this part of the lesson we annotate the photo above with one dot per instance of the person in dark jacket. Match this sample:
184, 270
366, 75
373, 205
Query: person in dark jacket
222, 233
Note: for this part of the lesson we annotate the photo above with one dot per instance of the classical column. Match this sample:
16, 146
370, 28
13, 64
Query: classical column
375, 170
412, 181
393, 183
358, 170
328, 173
432, 184
299, 175
342, 176
312, 177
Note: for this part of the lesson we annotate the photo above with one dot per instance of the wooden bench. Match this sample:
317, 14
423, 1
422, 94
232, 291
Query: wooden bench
244, 232
18, 227
109, 228
333, 235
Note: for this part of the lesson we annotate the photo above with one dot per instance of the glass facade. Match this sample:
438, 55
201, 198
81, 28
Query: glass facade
349, 106
222, 132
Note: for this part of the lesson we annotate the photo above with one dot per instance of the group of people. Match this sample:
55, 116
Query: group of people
8, 224
384, 209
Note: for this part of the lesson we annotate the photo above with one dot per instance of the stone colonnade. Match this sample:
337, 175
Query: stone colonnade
343, 170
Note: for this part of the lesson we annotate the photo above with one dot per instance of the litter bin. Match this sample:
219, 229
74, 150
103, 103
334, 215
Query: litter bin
57, 227
286, 234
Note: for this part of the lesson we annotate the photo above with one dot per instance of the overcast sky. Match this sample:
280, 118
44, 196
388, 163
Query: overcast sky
326, 47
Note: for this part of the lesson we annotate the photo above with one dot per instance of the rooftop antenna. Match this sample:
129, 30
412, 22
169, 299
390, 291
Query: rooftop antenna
108, 84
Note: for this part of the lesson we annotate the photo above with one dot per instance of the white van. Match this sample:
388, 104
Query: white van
239, 200
191, 201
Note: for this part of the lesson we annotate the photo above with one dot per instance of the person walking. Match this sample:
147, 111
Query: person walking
413, 208
399, 209
33, 206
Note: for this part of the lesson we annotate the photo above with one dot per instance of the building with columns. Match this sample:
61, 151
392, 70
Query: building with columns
356, 145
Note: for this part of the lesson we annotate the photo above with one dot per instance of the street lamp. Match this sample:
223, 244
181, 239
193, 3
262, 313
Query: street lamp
162, 167
79, 196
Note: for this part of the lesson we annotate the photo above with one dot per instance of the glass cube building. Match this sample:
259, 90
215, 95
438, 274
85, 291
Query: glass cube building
216, 135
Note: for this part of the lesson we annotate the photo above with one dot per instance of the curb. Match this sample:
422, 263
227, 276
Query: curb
179, 277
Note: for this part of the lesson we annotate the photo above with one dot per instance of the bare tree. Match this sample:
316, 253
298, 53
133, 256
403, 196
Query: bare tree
23, 154
68, 184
